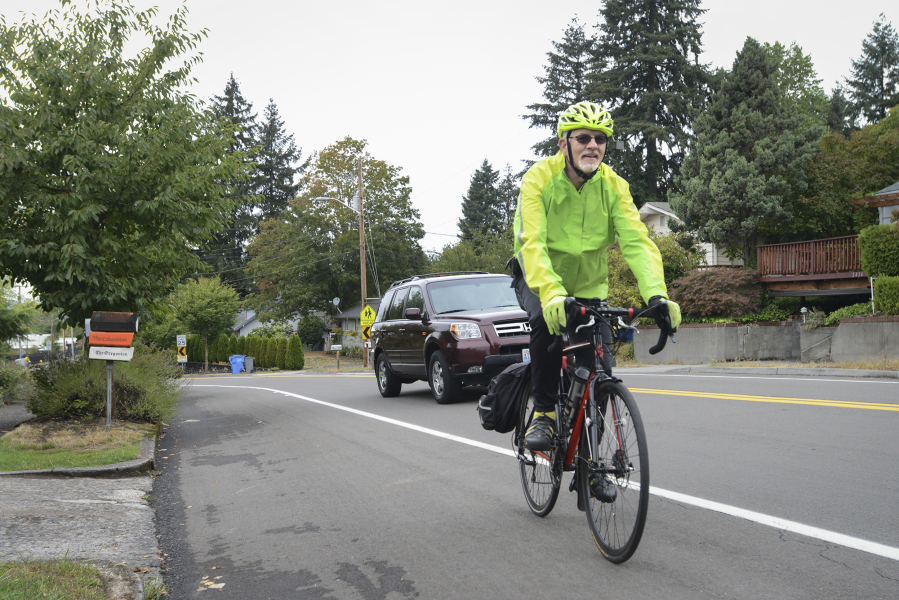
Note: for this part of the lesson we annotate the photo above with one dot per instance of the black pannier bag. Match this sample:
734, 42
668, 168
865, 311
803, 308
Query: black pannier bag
499, 408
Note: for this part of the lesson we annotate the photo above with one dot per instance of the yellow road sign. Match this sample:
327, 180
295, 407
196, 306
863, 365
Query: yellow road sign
367, 318
366, 333
182, 354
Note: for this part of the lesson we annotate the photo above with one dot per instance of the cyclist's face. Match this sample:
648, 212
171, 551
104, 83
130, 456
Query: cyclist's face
587, 156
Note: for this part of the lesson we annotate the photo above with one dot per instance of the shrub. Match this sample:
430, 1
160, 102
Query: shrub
724, 292
772, 312
253, 347
815, 318
242, 345
281, 356
222, 350
879, 246
847, 312
295, 360
271, 353
16, 384
311, 329
232, 345
886, 295
260, 351
146, 389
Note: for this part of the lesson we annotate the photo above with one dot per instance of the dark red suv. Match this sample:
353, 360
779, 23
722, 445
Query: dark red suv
450, 329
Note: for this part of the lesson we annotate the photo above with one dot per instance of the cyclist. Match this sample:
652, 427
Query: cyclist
570, 210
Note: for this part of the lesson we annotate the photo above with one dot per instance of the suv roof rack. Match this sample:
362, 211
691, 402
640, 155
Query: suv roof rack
415, 277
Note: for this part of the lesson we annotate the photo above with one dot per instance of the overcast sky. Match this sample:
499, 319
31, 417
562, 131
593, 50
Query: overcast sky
435, 88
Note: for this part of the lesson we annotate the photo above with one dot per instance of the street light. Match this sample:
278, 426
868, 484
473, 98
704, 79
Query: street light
353, 208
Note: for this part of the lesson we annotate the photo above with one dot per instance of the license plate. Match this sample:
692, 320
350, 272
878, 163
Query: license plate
525, 355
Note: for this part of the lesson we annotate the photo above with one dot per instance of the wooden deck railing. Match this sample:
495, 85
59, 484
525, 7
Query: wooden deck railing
832, 255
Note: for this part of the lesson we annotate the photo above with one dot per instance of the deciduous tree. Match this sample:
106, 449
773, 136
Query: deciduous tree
311, 253
208, 308
109, 171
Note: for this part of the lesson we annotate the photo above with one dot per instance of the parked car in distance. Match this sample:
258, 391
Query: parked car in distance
449, 329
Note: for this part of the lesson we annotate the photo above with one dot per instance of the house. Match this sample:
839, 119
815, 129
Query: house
885, 201
247, 321
656, 215
348, 320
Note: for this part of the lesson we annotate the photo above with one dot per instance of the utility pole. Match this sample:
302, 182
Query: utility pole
362, 260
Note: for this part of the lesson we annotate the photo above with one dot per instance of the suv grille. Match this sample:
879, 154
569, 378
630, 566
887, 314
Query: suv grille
512, 329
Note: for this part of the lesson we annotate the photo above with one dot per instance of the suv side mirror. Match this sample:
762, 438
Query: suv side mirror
413, 313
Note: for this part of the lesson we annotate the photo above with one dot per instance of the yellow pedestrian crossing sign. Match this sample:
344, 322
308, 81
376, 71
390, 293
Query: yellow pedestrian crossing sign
368, 316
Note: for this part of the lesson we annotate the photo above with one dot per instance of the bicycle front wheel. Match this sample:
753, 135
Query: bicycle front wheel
615, 476
539, 478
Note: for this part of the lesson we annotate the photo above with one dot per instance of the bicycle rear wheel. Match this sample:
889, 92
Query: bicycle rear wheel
618, 463
539, 480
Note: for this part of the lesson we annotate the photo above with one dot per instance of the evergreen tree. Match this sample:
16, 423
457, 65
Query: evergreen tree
232, 345
222, 347
281, 353
295, 359
479, 207
251, 346
748, 159
271, 353
841, 115
874, 85
507, 197
225, 254
654, 83
242, 345
275, 171
564, 82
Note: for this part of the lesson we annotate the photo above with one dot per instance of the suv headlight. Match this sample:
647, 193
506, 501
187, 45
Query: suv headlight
465, 331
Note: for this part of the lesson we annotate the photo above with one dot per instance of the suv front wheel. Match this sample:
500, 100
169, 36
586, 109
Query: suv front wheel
444, 386
388, 383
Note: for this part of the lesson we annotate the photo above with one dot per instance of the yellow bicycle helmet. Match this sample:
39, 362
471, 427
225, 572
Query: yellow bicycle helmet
586, 115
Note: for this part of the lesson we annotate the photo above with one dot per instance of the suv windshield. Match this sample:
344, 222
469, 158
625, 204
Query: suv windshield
471, 294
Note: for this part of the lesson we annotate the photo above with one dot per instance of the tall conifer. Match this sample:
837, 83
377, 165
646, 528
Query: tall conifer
480, 216
276, 171
748, 159
874, 85
653, 83
564, 82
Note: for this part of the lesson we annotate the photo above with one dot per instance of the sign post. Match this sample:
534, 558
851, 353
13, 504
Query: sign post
116, 332
366, 319
182, 348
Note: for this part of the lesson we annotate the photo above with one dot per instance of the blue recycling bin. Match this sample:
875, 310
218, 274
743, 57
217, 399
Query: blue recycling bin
236, 363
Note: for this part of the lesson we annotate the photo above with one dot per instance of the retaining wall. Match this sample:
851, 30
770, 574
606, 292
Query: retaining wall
872, 338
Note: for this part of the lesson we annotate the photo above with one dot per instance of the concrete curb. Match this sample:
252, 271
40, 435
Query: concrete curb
823, 372
145, 462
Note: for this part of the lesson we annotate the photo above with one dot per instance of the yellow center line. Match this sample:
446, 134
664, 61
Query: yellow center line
772, 399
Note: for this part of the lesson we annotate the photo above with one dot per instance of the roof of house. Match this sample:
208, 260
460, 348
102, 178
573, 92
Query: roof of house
658, 207
892, 189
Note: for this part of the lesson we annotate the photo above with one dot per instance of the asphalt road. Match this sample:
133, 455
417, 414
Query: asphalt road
754, 479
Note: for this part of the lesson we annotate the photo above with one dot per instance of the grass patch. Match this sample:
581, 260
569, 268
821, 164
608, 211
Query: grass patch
323, 360
60, 579
53, 444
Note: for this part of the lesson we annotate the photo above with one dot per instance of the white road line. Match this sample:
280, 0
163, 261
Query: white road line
755, 517
685, 375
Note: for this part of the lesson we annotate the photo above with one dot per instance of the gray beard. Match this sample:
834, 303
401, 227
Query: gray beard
586, 170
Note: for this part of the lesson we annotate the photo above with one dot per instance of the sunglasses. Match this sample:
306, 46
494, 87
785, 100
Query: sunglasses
584, 139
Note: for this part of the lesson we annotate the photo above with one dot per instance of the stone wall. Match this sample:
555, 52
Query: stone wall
853, 340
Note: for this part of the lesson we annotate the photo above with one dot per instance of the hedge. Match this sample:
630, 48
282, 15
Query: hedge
879, 246
295, 360
886, 295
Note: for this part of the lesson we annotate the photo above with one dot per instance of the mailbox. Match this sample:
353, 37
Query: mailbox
114, 322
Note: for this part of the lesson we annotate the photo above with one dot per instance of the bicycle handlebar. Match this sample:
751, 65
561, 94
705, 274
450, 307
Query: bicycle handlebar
573, 309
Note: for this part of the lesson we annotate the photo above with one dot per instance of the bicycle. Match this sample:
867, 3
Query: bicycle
599, 436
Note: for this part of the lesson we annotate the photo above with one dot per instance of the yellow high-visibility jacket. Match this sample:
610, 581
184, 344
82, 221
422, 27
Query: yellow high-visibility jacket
562, 234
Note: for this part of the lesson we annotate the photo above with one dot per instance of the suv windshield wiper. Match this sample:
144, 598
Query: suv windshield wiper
446, 312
